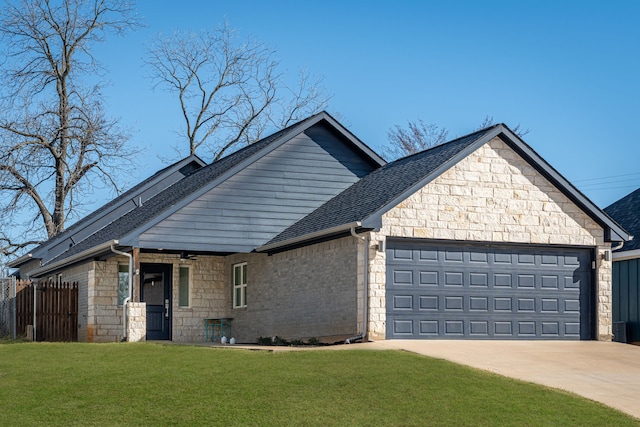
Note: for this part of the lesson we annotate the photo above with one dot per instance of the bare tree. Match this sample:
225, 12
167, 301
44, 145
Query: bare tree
56, 144
417, 136
229, 91
518, 130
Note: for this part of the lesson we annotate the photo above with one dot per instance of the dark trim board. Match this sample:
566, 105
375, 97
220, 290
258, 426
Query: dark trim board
462, 290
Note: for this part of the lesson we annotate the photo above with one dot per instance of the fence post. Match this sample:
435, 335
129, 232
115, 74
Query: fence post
35, 292
15, 311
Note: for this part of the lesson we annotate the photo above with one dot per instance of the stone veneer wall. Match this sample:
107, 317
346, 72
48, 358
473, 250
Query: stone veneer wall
493, 195
100, 317
136, 321
104, 313
299, 294
209, 293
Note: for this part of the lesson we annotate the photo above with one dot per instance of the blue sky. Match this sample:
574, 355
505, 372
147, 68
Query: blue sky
566, 70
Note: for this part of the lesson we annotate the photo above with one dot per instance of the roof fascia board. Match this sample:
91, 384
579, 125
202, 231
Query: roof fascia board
541, 165
626, 255
376, 217
21, 260
309, 237
293, 132
96, 250
355, 140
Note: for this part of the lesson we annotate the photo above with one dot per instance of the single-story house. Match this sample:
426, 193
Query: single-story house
626, 270
309, 233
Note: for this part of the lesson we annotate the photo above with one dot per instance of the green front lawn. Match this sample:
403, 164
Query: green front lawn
150, 384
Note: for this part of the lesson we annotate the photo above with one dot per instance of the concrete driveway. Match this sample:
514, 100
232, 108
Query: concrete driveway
606, 372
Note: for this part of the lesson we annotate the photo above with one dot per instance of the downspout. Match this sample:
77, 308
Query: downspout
128, 298
365, 317
618, 247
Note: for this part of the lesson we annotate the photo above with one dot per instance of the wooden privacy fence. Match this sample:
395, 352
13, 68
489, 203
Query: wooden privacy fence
56, 310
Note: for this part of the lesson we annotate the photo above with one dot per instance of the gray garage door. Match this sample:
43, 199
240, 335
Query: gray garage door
473, 291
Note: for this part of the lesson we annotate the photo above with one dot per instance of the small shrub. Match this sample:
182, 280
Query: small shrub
279, 341
264, 341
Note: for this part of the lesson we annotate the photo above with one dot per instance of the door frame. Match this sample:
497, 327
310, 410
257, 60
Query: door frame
167, 271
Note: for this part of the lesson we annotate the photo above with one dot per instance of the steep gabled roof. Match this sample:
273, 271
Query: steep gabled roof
626, 212
127, 228
363, 204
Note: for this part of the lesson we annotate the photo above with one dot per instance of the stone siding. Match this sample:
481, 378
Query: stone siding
299, 294
136, 321
105, 315
493, 195
208, 293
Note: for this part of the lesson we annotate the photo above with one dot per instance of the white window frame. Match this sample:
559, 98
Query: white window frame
188, 267
240, 284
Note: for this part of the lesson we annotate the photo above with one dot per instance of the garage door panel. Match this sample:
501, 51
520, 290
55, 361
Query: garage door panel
477, 328
479, 301
487, 292
428, 255
403, 278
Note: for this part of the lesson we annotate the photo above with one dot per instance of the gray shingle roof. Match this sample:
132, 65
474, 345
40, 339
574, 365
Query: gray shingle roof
170, 196
626, 212
124, 196
376, 190
125, 227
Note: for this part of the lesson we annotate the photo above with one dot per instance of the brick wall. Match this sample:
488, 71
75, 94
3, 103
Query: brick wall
299, 294
493, 195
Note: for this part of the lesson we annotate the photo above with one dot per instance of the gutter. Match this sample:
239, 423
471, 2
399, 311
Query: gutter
626, 255
365, 314
129, 285
310, 236
104, 247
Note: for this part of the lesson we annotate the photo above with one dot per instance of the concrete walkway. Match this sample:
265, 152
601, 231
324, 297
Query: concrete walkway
606, 372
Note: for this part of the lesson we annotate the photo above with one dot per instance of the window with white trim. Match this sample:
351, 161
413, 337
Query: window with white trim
183, 286
240, 285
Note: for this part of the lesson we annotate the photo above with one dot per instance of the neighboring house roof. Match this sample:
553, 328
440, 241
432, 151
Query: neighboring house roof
125, 229
363, 204
626, 212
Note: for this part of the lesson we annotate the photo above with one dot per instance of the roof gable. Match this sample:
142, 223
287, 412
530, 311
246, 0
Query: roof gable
263, 198
364, 203
128, 227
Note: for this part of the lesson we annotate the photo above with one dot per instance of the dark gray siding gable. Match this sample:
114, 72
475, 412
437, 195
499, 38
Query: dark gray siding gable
258, 202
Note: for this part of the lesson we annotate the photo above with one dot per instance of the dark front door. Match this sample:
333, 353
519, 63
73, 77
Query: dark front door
155, 290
